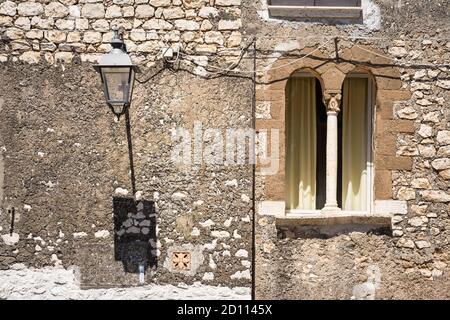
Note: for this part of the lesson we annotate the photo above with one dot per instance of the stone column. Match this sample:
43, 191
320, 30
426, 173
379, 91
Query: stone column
332, 101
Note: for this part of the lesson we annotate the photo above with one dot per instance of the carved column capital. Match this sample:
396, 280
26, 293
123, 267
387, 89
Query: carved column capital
332, 100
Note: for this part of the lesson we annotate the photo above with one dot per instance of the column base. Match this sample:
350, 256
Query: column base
331, 209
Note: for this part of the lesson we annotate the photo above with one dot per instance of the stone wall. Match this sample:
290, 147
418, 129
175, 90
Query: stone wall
65, 157
51, 283
409, 61
59, 30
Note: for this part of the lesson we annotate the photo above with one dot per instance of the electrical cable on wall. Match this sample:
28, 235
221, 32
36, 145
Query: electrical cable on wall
259, 71
245, 49
232, 69
232, 72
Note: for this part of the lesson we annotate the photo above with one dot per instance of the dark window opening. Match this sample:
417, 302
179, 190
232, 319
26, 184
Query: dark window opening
321, 161
339, 167
321, 168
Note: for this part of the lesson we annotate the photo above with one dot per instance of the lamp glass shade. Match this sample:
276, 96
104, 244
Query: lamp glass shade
118, 84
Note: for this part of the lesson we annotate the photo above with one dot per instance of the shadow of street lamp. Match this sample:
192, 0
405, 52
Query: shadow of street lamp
134, 219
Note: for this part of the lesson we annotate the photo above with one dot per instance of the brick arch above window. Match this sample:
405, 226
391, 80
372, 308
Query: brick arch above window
332, 73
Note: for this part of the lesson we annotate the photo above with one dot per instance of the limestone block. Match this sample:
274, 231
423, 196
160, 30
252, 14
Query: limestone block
30, 9
8, 8
144, 11
138, 35
46, 24
125, 2
81, 24
398, 52
421, 183
444, 151
407, 113
55, 36
101, 25
208, 12
422, 245
23, 23
92, 37
418, 221
157, 24
427, 151
128, 11
56, 10
214, 37
173, 13
405, 193
230, 24
235, 39
441, 164
435, 196
206, 49
65, 24
206, 25
160, 3
425, 131
113, 12
445, 174
189, 4
93, 10
74, 12
64, 57
30, 57
34, 34
444, 84
121, 23
187, 25
443, 137
6, 21
227, 3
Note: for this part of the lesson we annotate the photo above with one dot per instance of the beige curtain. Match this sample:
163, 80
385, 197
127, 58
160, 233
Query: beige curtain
354, 145
301, 144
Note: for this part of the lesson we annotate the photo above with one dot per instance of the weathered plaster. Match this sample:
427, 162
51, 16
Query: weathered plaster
2, 166
367, 290
52, 283
66, 157
411, 119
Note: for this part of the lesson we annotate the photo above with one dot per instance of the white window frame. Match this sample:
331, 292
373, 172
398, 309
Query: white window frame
312, 3
315, 12
370, 143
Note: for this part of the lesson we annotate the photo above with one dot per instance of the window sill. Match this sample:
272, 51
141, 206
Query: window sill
383, 211
315, 12
335, 218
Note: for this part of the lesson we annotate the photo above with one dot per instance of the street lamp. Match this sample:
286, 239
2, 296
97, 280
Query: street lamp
117, 73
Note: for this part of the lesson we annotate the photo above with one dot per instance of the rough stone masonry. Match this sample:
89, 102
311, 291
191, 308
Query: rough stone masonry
63, 156
406, 50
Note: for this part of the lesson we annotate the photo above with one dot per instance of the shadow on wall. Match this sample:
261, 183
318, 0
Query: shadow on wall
330, 231
134, 234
